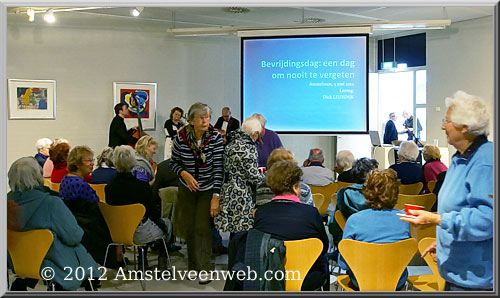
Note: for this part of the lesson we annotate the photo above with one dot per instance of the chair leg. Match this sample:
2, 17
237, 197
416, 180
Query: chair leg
142, 281
168, 256
106, 255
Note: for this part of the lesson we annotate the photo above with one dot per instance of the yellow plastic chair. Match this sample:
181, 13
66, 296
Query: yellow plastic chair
428, 282
27, 251
99, 189
340, 219
318, 200
299, 258
420, 232
426, 200
122, 221
326, 191
54, 186
431, 185
377, 266
46, 181
411, 189
333, 197
344, 184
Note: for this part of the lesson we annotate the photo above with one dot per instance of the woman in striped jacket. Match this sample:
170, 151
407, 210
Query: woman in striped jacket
197, 159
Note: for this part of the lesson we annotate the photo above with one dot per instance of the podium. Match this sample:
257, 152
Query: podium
386, 156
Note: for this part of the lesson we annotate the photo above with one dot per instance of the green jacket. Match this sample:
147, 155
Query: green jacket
42, 208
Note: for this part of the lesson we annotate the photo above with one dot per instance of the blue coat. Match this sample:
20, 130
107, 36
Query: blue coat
43, 209
390, 132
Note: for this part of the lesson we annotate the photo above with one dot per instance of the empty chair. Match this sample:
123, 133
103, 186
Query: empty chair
420, 232
300, 256
318, 200
326, 191
426, 200
411, 189
428, 282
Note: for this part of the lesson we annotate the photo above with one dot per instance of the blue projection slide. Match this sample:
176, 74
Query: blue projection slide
307, 84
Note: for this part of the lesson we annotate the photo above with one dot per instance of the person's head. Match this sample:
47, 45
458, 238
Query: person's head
199, 116
381, 189
467, 117
176, 114
431, 152
59, 153
59, 141
361, 168
226, 113
42, 146
252, 127
316, 154
408, 151
344, 161
124, 158
393, 116
25, 174
406, 114
279, 154
105, 157
81, 160
284, 178
262, 122
146, 146
121, 109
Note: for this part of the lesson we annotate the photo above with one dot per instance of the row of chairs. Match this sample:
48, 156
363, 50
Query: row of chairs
99, 188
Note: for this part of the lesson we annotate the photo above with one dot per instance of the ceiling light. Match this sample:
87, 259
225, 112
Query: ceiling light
237, 9
49, 16
137, 11
412, 25
31, 14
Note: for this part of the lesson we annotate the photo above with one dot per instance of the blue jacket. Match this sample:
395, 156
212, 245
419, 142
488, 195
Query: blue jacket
384, 227
390, 132
465, 234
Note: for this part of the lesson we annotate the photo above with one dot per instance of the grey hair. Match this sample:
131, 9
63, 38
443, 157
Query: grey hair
391, 114
260, 118
345, 159
59, 141
251, 125
124, 158
316, 154
469, 110
408, 150
362, 167
25, 174
198, 108
106, 156
43, 143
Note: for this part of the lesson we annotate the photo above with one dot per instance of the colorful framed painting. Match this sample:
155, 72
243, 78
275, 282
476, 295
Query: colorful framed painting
145, 95
32, 99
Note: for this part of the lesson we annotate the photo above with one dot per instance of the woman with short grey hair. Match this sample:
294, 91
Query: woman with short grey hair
105, 171
42, 208
42, 147
408, 170
237, 200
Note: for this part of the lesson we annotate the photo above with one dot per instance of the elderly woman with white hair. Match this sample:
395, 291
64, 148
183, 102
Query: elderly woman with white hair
408, 170
237, 200
42, 147
105, 171
343, 166
464, 218
125, 189
41, 208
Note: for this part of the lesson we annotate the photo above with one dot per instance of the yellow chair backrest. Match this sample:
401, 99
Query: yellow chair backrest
318, 200
422, 246
426, 200
431, 185
344, 184
54, 186
46, 181
333, 199
99, 189
420, 232
326, 191
340, 219
27, 251
122, 221
300, 256
411, 189
377, 266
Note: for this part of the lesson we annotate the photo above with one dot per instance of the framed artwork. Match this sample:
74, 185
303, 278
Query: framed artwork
145, 93
32, 99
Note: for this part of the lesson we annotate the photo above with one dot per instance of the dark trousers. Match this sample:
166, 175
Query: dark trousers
194, 218
453, 287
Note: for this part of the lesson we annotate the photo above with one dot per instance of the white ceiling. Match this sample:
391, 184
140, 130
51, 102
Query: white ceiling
163, 18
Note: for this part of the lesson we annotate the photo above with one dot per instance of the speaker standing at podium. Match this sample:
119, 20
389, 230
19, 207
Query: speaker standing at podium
390, 131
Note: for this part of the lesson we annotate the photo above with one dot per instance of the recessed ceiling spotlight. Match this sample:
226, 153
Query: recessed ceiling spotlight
49, 16
237, 9
313, 20
31, 14
137, 11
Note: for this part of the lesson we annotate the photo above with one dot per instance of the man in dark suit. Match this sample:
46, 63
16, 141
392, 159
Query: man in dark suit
390, 132
226, 123
118, 134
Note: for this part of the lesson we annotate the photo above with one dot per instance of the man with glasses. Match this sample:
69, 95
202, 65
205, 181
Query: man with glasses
390, 132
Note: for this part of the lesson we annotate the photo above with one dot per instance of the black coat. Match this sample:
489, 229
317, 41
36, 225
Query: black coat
118, 134
233, 124
165, 177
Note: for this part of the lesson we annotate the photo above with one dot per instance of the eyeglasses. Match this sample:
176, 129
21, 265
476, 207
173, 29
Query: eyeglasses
444, 120
89, 159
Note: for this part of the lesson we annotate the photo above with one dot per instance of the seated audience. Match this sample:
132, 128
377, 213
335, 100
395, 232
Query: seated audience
343, 166
314, 171
351, 199
265, 194
59, 156
379, 223
408, 170
48, 166
144, 150
42, 148
285, 218
433, 165
41, 208
268, 141
105, 170
82, 200
125, 189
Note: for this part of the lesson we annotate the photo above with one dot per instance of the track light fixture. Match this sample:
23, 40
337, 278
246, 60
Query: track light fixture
31, 14
49, 16
137, 11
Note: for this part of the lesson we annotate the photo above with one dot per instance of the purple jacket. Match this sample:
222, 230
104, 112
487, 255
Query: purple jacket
266, 145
